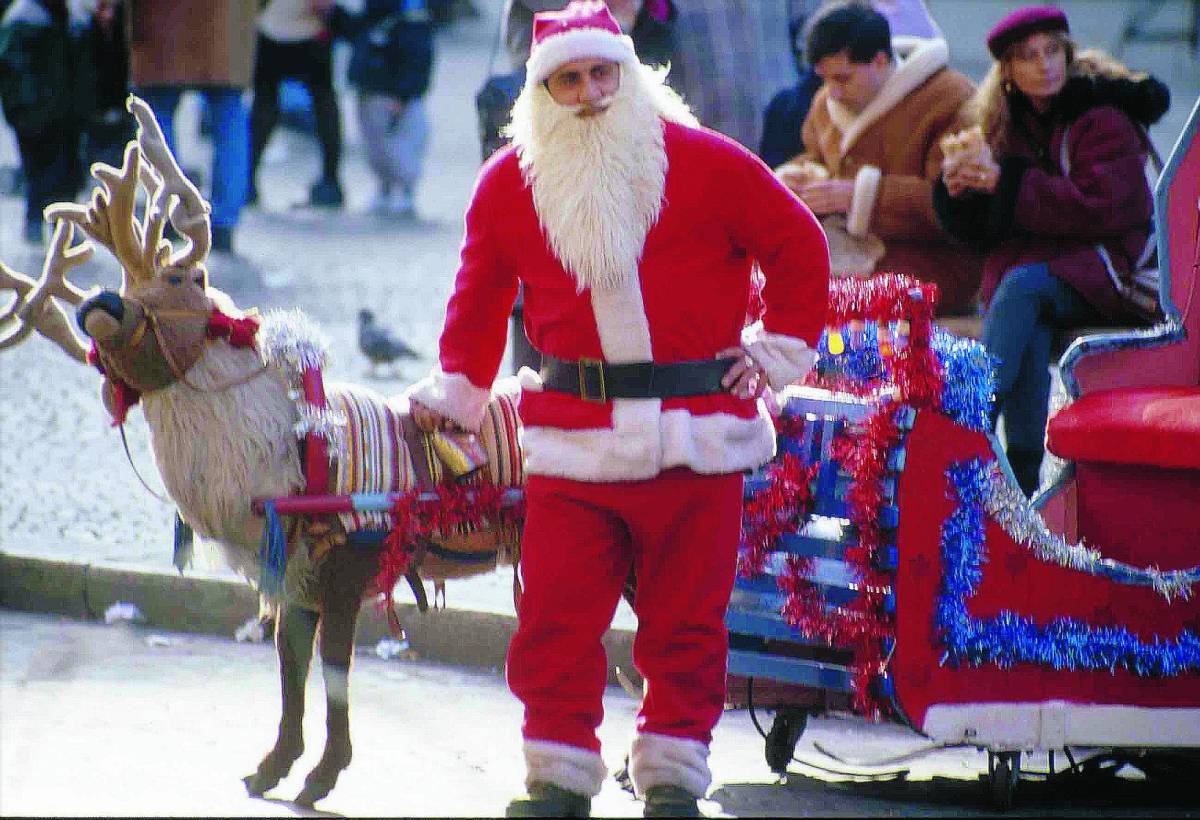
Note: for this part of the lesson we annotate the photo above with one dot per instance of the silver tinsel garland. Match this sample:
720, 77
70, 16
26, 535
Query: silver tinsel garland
1009, 508
324, 422
294, 343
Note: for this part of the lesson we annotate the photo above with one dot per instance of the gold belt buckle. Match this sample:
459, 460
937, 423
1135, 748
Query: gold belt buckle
582, 367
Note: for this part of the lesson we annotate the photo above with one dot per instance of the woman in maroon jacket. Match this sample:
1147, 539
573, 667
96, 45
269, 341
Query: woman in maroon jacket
1058, 196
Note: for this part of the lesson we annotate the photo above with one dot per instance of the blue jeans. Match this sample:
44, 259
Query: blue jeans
231, 144
1018, 329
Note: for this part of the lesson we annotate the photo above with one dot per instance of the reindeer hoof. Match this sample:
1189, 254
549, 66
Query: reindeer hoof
273, 768
257, 785
313, 791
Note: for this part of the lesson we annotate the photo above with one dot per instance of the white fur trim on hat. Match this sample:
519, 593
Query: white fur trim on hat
568, 767
577, 44
862, 203
785, 359
663, 760
453, 395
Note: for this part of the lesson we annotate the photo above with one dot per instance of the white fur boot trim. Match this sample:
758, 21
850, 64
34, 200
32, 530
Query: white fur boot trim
568, 767
662, 760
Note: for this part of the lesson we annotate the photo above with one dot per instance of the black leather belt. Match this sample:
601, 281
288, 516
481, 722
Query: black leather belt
598, 381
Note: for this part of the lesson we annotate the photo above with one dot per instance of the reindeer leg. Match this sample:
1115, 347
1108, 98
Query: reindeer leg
294, 635
344, 577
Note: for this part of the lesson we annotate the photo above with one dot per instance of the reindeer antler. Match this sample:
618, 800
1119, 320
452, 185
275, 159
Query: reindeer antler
34, 309
190, 212
109, 218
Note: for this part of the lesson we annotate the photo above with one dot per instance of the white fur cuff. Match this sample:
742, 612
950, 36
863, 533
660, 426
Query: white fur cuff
662, 760
785, 359
453, 395
568, 767
558, 50
862, 204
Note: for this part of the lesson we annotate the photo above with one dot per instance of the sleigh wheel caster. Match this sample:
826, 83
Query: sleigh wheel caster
1004, 769
784, 735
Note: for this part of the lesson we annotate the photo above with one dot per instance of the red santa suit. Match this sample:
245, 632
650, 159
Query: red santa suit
651, 483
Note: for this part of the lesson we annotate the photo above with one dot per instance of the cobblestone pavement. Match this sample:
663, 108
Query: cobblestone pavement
125, 721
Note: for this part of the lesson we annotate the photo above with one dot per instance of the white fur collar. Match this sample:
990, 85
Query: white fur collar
917, 60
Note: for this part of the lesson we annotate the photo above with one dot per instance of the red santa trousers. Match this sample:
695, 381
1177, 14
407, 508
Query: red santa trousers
679, 531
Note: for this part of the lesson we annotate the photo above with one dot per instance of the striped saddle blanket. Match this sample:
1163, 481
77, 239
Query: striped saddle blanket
381, 452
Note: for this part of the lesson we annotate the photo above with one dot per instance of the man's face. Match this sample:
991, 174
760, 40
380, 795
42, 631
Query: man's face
588, 85
850, 83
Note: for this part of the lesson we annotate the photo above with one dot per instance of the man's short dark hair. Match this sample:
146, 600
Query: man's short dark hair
854, 28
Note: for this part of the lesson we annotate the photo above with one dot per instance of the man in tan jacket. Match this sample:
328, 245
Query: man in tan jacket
177, 45
871, 148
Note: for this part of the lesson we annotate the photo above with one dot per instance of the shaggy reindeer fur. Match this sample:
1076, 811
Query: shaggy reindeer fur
215, 450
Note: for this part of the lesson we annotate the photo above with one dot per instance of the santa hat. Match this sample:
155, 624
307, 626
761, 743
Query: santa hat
584, 29
1021, 23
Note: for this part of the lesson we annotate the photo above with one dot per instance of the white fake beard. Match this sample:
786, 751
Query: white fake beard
598, 180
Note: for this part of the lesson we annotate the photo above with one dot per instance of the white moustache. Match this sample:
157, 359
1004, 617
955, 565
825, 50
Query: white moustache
592, 109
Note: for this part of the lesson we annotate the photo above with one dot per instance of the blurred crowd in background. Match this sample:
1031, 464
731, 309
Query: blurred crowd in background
911, 166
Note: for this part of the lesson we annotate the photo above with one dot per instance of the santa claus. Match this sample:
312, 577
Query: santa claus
633, 231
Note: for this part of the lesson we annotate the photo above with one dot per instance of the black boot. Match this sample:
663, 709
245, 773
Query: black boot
1026, 466
326, 193
670, 801
548, 800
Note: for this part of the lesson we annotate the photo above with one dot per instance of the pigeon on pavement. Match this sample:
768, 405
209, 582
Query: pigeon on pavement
380, 345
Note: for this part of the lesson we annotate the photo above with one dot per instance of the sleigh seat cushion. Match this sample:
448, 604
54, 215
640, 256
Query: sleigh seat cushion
1149, 426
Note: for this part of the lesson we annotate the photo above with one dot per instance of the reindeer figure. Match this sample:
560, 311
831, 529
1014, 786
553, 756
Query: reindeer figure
222, 423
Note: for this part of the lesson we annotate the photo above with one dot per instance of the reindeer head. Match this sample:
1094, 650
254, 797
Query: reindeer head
150, 331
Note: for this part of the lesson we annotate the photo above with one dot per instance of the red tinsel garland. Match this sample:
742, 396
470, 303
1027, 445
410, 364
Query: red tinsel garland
887, 297
778, 509
862, 625
456, 507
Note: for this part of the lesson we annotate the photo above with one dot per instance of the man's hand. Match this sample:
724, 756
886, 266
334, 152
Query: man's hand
798, 173
431, 421
831, 196
744, 379
793, 177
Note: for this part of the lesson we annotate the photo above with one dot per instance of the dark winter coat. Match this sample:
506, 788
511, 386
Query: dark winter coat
785, 117
47, 73
393, 49
1072, 191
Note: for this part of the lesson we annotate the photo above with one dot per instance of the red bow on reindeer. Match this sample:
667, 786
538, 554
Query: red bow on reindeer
239, 332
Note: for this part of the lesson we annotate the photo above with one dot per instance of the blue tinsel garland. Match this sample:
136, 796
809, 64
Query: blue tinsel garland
1008, 638
969, 380
967, 369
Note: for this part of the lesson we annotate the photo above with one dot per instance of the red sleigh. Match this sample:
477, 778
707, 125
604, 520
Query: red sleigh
893, 567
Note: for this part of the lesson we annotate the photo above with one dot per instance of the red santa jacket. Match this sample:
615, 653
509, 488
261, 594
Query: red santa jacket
723, 209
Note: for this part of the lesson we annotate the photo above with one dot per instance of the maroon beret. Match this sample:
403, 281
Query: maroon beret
1023, 22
